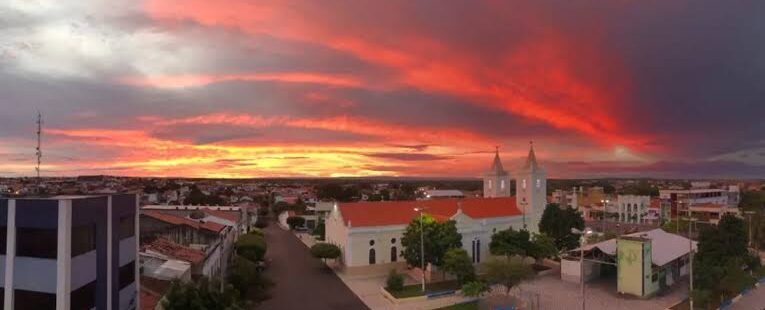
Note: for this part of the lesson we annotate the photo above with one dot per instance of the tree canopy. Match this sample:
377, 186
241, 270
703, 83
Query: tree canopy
251, 246
202, 295
325, 251
506, 271
458, 263
557, 222
510, 242
722, 251
439, 237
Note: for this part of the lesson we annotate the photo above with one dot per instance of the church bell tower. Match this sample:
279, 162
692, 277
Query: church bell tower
531, 190
496, 181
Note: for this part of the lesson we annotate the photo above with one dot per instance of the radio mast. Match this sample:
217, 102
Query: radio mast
39, 149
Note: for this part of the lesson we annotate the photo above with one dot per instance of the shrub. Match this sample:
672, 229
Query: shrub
475, 289
295, 221
252, 247
257, 232
325, 251
395, 281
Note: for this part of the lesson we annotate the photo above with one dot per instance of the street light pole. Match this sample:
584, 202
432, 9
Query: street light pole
582, 241
603, 217
422, 248
691, 220
749, 217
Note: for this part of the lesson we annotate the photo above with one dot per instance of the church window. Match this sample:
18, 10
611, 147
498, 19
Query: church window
393, 254
539, 183
371, 242
524, 184
502, 184
393, 240
489, 184
372, 258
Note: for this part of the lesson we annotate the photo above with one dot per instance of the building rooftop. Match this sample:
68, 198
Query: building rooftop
665, 247
166, 247
359, 214
180, 220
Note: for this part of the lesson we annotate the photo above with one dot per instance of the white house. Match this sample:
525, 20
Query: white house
369, 233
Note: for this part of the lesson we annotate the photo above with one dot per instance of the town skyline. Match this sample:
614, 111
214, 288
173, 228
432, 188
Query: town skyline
237, 89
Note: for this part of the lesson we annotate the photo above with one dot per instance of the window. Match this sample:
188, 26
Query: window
502, 184
372, 258
655, 277
539, 183
36, 242
489, 184
29, 300
524, 184
371, 242
127, 275
127, 226
393, 241
3, 237
393, 254
83, 239
84, 298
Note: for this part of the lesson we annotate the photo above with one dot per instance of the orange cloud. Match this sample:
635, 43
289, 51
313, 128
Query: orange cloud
539, 79
195, 80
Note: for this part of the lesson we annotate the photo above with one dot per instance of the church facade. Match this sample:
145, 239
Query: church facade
369, 233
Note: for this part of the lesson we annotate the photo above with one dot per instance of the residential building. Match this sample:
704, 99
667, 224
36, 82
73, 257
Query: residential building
678, 201
633, 208
369, 233
213, 230
69, 252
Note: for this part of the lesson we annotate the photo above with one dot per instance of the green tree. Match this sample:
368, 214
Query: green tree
295, 221
458, 263
721, 254
203, 295
557, 222
542, 246
510, 242
395, 281
251, 246
247, 280
439, 237
325, 251
475, 289
506, 271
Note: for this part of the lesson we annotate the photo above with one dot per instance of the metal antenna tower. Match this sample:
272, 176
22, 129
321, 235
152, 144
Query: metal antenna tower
39, 149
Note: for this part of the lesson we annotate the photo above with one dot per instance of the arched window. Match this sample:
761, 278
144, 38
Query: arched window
489, 184
372, 258
393, 254
524, 184
478, 251
502, 184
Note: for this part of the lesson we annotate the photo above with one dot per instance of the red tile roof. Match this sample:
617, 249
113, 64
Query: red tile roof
179, 220
226, 215
149, 299
402, 212
172, 249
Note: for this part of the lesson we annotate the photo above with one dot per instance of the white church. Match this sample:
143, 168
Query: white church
369, 233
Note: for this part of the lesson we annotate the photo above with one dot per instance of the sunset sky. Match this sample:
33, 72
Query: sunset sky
240, 88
